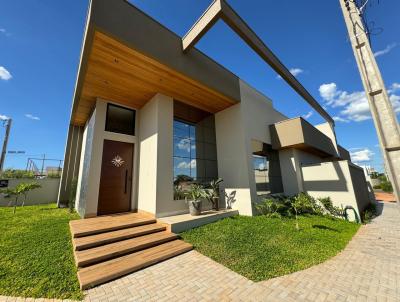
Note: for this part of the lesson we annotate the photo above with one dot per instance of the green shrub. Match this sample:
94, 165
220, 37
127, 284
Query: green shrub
369, 212
386, 186
382, 177
374, 175
278, 206
12, 173
271, 207
306, 204
377, 187
332, 210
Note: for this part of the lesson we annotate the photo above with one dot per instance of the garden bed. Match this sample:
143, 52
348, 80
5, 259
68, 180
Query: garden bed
36, 257
261, 248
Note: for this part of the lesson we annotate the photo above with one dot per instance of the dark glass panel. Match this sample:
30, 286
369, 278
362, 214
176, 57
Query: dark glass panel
120, 120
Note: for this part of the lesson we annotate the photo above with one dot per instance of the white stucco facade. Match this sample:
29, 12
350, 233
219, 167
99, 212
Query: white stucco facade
241, 130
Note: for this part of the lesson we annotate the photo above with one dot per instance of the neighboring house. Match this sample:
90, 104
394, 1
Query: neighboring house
144, 112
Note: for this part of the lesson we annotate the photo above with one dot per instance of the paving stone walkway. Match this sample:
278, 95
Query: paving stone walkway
367, 270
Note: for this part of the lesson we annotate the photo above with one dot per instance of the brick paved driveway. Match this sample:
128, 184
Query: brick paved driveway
367, 270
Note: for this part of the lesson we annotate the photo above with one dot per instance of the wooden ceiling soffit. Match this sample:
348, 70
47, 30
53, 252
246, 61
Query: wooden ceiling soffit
119, 73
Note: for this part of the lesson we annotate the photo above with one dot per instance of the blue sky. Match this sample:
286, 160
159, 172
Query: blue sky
40, 43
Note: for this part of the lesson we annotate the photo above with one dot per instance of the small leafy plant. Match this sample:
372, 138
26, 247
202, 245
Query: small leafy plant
193, 197
332, 210
195, 192
274, 207
300, 204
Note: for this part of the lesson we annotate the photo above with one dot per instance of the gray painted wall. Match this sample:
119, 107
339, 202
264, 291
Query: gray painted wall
46, 194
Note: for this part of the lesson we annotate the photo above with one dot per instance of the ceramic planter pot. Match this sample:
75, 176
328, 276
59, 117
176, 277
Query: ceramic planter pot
195, 207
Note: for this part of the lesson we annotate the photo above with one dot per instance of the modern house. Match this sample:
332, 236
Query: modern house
146, 113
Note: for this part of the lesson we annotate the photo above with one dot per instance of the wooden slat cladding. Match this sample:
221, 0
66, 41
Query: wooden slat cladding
120, 74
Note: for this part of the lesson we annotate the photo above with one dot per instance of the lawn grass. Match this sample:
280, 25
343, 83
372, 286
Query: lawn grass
36, 257
261, 248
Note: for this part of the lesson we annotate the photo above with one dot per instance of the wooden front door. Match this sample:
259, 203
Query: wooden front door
116, 178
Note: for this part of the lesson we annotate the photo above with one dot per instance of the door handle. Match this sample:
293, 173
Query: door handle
126, 180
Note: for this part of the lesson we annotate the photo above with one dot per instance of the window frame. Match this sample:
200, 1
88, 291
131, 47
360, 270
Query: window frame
196, 157
125, 108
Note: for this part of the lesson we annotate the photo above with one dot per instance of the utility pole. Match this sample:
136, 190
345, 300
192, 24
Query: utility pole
381, 108
5, 142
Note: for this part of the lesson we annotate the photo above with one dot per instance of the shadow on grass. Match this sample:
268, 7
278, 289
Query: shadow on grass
324, 227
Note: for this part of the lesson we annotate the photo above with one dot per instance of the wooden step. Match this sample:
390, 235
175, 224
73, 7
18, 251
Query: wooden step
115, 268
120, 248
91, 226
83, 243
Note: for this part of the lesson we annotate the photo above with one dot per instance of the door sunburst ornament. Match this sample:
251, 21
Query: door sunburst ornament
117, 161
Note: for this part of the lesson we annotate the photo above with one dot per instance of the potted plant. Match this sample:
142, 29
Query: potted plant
212, 194
194, 197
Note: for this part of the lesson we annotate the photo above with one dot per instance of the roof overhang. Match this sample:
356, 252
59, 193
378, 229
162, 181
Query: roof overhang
219, 9
120, 63
297, 133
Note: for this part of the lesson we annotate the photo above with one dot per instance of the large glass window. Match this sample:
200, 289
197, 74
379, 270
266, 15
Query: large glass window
267, 171
195, 155
120, 120
260, 165
195, 151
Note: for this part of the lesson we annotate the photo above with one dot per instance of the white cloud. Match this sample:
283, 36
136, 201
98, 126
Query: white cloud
393, 88
32, 117
187, 165
4, 32
184, 144
363, 155
296, 71
5, 74
354, 105
386, 50
328, 91
4, 117
395, 99
308, 115
340, 119
293, 71
338, 98
357, 111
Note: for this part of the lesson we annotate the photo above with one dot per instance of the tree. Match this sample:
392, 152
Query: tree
25, 188
21, 189
10, 193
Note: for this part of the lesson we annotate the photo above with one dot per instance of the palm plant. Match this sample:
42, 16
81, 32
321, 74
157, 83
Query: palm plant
25, 188
212, 195
20, 189
12, 193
